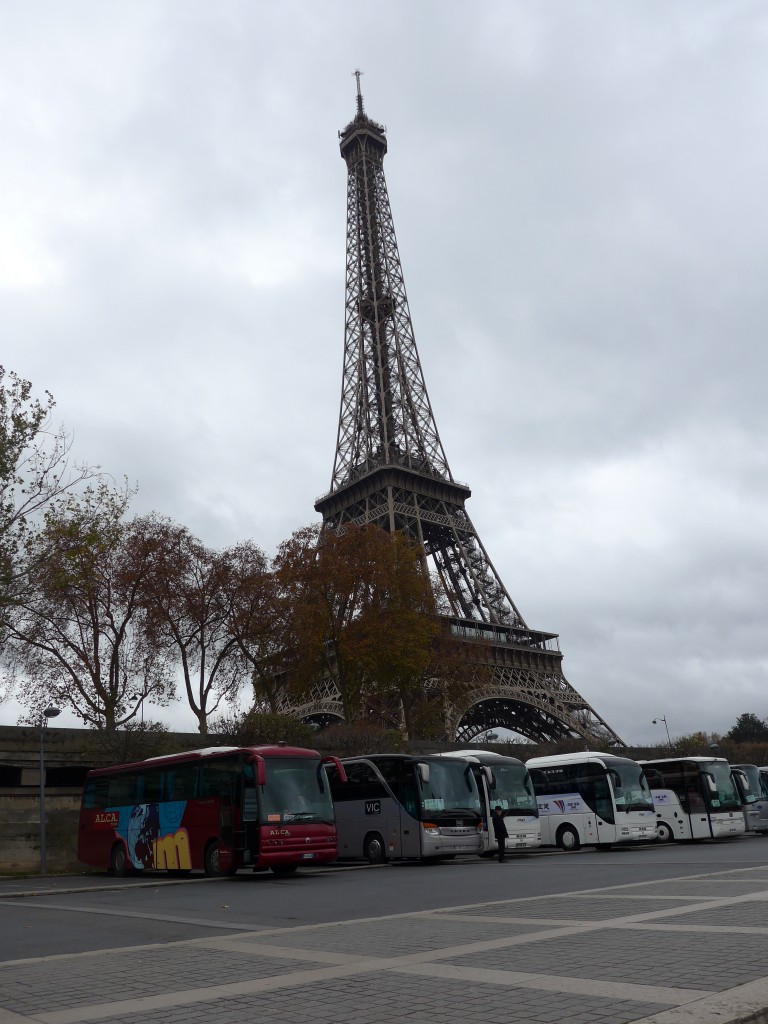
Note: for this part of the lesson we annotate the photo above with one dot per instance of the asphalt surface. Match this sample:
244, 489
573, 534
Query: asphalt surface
664, 934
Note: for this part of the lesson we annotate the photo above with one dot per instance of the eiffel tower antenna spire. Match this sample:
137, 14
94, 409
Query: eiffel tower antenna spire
390, 469
360, 109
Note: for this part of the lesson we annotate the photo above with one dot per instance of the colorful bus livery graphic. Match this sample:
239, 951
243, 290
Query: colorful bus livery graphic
153, 835
216, 810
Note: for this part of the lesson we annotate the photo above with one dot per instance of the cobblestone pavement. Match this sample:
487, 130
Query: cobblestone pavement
692, 950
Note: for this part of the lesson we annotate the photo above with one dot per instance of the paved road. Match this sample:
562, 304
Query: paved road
667, 934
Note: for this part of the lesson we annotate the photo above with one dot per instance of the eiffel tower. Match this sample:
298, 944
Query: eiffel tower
390, 469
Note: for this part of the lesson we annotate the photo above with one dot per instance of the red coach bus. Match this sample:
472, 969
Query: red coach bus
214, 810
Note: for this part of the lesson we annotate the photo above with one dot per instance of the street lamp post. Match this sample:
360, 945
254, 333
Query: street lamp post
49, 713
661, 718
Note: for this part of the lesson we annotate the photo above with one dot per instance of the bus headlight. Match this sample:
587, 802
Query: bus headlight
430, 828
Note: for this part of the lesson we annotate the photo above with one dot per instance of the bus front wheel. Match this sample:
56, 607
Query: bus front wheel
211, 860
664, 833
568, 838
118, 861
374, 850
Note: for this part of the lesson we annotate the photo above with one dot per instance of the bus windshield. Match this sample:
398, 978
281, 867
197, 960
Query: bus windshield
630, 788
719, 787
752, 775
451, 787
514, 789
297, 790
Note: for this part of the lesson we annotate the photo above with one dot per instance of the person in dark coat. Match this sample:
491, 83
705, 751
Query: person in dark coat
499, 830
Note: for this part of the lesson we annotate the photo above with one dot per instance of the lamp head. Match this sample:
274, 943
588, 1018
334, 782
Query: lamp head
51, 712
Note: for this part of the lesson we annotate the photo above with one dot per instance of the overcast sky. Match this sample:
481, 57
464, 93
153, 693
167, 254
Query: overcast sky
579, 195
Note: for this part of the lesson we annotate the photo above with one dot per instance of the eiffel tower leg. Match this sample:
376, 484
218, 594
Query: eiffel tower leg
534, 700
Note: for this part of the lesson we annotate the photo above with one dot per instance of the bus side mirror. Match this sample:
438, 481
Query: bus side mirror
742, 783
260, 768
490, 777
423, 772
711, 782
330, 759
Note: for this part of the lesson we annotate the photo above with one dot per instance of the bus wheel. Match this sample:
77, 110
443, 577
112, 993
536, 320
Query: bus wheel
118, 861
284, 869
374, 850
211, 860
567, 838
664, 833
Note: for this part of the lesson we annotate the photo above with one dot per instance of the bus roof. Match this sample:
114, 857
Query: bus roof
405, 758
206, 753
585, 755
700, 758
488, 757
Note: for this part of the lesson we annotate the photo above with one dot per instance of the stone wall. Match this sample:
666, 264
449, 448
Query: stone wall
20, 830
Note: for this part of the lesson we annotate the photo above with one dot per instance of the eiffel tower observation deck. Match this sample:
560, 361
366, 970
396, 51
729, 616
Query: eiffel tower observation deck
390, 469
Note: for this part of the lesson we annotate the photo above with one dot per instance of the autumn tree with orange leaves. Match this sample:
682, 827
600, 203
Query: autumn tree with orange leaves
361, 611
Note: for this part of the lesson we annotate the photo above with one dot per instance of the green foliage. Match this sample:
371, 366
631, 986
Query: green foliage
255, 728
744, 753
695, 744
35, 470
353, 740
748, 729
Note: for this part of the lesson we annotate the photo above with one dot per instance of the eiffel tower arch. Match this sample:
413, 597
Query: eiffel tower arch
390, 469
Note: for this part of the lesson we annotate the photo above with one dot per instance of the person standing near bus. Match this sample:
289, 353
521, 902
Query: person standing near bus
499, 830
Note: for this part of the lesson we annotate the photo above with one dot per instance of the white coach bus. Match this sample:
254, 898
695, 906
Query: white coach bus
592, 799
504, 782
695, 798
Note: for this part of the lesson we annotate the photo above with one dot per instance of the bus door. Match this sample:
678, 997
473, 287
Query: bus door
599, 821
694, 802
485, 782
410, 802
250, 813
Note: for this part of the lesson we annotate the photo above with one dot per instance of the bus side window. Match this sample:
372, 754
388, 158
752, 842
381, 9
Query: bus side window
362, 783
537, 778
217, 778
122, 790
149, 788
182, 782
96, 794
409, 798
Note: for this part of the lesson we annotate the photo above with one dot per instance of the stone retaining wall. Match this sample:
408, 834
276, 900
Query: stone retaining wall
20, 830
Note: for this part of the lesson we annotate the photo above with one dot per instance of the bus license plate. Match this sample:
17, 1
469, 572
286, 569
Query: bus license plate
307, 856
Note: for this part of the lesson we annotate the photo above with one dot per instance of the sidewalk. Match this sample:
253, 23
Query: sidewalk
690, 950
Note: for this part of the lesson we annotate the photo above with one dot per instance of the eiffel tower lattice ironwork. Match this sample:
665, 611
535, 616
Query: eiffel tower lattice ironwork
390, 469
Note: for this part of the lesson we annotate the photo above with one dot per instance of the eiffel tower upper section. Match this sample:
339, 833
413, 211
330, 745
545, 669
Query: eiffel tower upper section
390, 469
390, 466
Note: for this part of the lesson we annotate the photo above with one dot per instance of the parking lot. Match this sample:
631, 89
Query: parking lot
666, 934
